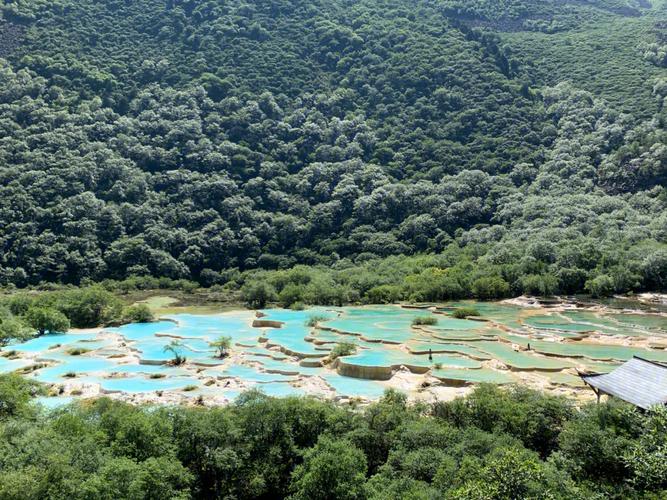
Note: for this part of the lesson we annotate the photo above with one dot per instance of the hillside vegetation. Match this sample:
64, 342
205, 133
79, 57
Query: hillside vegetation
204, 139
493, 444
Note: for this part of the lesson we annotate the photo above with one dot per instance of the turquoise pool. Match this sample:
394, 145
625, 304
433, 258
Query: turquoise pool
292, 357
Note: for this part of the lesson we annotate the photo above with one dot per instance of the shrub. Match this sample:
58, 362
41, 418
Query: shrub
383, 294
174, 347
425, 320
464, 312
138, 313
89, 307
15, 394
77, 351
331, 469
257, 294
492, 287
313, 320
222, 345
46, 319
600, 286
342, 349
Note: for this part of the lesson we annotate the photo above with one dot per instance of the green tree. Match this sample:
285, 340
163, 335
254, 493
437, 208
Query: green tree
647, 457
508, 474
15, 395
12, 328
600, 286
257, 294
89, 307
175, 347
138, 313
492, 287
222, 345
331, 469
46, 319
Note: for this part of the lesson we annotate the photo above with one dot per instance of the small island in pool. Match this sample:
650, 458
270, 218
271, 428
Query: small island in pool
343, 353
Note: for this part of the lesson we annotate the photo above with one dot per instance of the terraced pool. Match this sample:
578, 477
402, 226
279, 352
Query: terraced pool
288, 352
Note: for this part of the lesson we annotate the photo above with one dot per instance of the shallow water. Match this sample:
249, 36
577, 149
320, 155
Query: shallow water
483, 375
143, 384
272, 359
51, 340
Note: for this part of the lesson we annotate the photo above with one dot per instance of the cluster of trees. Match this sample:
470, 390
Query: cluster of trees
656, 52
197, 140
495, 444
546, 16
23, 315
540, 268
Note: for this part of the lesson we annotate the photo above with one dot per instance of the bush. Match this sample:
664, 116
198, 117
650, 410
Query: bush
331, 469
342, 349
89, 307
46, 319
539, 284
600, 286
257, 294
138, 313
77, 351
222, 345
175, 347
383, 294
488, 288
647, 457
425, 320
15, 395
315, 319
464, 312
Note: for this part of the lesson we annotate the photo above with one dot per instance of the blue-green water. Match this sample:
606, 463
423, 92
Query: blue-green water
143, 384
272, 359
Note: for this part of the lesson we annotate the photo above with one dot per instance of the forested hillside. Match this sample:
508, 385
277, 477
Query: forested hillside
182, 139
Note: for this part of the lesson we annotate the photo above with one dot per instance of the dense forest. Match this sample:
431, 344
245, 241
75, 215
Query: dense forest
517, 142
493, 444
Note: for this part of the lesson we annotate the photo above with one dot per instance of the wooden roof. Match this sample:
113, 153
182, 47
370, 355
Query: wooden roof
638, 381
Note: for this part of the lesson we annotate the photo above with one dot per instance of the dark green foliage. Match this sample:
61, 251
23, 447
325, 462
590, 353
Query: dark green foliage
493, 444
165, 142
12, 327
257, 294
57, 311
331, 469
647, 458
595, 443
15, 395
46, 319
138, 313
491, 287
89, 307
531, 417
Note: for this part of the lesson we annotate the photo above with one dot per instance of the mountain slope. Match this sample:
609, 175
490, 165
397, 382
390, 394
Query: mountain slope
169, 138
